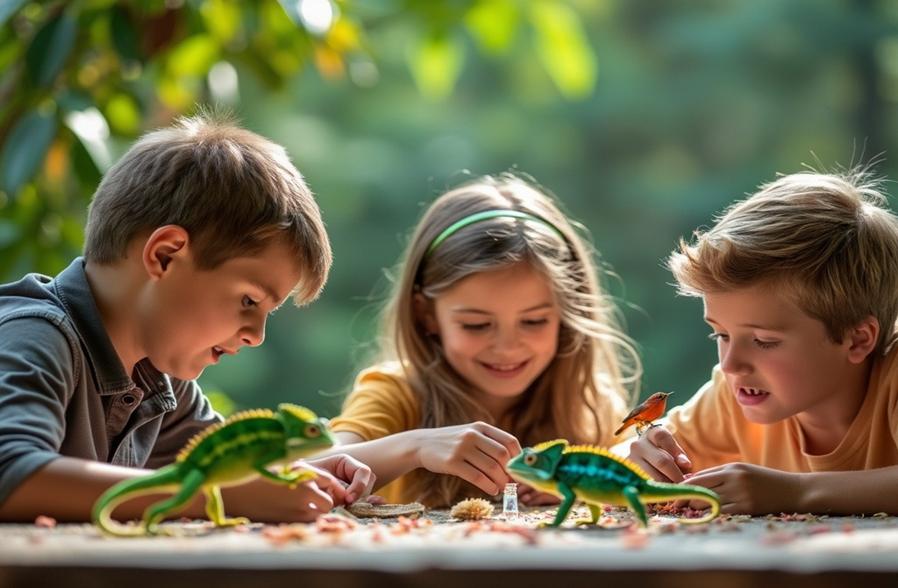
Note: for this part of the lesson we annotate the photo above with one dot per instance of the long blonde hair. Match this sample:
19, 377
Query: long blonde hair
595, 375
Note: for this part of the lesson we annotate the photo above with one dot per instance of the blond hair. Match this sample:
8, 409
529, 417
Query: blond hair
585, 389
232, 190
827, 239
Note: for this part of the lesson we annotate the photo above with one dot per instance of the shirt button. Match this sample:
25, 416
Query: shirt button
128, 399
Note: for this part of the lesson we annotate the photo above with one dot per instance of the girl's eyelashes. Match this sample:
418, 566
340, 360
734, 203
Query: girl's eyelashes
529, 323
248, 302
535, 322
717, 336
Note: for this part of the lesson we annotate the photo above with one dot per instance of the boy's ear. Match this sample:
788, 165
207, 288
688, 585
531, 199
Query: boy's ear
862, 339
162, 246
424, 314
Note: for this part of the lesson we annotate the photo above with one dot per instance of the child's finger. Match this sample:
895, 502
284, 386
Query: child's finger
469, 473
663, 439
331, 485
493, 469
507, 440
495, 450
313, 496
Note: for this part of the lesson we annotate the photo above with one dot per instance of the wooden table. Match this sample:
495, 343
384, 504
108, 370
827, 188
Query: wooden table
433, 551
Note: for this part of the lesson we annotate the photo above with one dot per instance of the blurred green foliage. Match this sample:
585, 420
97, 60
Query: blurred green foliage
644, 118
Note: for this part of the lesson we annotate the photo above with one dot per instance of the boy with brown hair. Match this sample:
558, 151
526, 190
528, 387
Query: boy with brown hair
193, 238
800, 288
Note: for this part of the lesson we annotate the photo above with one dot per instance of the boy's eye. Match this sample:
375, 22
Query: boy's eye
475, 326
766, 344
718, 336
248, 302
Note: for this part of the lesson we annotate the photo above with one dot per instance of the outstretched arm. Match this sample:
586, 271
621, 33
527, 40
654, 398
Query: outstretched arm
751, 489
476, 452
66, 489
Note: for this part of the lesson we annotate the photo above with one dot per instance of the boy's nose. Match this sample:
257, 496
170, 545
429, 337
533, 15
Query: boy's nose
732, 362
253, 335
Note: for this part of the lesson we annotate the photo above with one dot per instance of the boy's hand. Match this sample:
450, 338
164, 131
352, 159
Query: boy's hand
343, 477
659, 454
532, 497
750, 489
476, 452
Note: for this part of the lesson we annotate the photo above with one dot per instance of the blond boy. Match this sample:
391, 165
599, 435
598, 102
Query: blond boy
800, 290
192, 240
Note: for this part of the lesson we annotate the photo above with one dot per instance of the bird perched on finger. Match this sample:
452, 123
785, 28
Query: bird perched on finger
643, 415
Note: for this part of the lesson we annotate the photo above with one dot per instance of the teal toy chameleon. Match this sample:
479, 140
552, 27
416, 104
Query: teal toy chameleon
597, 477
233, 452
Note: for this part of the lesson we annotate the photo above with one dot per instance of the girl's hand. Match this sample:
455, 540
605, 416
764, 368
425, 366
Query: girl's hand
532, 497
355, 480
476, 452
750, 489
659, 454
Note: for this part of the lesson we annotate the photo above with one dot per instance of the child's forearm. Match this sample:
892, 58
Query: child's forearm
855, 492
66, 489
388, 457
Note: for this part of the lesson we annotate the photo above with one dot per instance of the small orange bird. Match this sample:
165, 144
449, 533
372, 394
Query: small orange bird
643, 415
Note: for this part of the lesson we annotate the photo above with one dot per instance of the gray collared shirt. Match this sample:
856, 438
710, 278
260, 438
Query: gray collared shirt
64, 391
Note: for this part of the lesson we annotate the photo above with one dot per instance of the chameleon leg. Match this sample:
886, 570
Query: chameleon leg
291, 478
566, 503
215, 509
595, 511
632, 496
190, 485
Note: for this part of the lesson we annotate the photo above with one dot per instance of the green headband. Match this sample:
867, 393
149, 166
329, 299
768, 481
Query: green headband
486, 215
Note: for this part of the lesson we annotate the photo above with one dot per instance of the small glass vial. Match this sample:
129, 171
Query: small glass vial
510, 501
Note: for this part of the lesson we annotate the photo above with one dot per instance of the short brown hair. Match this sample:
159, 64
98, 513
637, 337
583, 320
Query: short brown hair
232, 190
827, 238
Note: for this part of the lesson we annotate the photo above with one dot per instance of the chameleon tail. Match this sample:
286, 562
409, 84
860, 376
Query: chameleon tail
163, 480
663, 492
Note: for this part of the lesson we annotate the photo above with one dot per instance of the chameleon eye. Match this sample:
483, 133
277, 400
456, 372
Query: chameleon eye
313, 431
530, 459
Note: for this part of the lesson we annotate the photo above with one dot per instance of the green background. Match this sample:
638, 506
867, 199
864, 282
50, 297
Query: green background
645, 118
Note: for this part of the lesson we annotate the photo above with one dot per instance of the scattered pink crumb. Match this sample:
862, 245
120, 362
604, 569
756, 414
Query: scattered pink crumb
634, 539
45, 522
778, 538
819, 529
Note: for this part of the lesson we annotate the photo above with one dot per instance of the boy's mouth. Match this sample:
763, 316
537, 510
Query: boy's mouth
750, 396
217, 352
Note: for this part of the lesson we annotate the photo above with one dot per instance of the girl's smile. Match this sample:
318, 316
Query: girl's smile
498, 330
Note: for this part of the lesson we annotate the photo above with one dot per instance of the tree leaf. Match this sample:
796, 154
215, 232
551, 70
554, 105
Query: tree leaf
25, 149
494, 25
563, 48
50, 48
8, 8
436, 64
193, 56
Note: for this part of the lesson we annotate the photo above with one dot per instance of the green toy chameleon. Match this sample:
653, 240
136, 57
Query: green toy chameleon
225, 454
596, 476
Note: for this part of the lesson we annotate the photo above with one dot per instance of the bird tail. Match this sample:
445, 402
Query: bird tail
164, 480
663, 492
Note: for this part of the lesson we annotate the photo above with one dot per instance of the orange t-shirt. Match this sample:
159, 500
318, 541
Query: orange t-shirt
712, 430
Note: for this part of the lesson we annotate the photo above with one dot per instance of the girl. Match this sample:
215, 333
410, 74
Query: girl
497, 331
